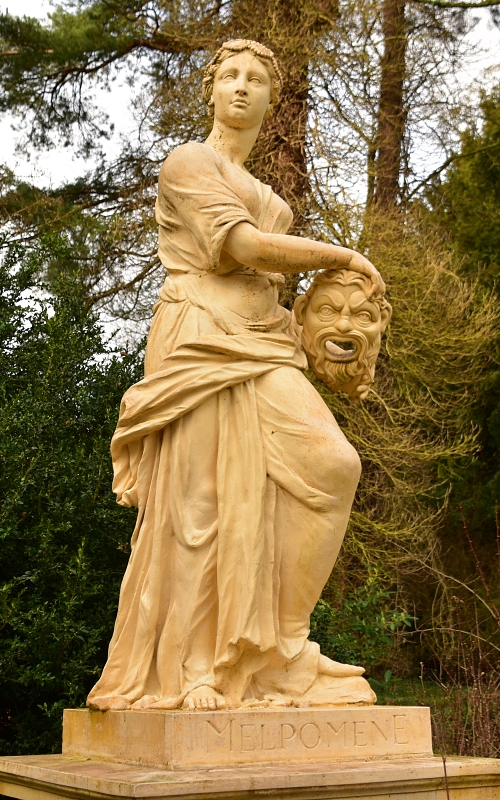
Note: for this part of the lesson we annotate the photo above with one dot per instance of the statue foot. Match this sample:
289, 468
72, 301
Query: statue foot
269, 701
144, 703
337, 670
111, 703
204, 698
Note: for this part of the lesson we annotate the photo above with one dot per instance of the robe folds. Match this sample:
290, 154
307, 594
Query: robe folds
237, 468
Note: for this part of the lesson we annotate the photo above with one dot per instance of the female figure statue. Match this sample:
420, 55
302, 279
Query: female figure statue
243, 480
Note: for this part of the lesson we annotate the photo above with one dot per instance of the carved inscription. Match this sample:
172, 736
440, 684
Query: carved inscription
310, 735
341, 730
333, 736
400, 733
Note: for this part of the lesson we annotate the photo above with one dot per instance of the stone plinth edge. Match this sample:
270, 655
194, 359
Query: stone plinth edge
182, 739
54, 777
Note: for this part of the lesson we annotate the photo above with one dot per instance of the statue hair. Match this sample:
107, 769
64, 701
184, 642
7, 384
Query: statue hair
345, 277
230, 48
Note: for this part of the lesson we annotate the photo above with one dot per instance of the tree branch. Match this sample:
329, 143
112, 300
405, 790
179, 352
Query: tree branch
122, 286
445, 4
447, 163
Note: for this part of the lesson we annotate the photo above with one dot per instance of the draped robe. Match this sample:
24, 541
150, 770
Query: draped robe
237, 528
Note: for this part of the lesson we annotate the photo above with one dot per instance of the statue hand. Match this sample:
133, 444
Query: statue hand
359, 263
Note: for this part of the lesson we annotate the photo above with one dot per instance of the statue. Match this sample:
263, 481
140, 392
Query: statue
242, 478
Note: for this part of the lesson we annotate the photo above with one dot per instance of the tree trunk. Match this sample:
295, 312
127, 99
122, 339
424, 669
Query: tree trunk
279, 156
391, 114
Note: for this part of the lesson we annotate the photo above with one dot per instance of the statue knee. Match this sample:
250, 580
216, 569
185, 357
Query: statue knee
351, 466
342, 467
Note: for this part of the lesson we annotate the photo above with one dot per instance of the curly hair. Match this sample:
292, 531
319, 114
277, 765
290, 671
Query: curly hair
345, 277
229, 49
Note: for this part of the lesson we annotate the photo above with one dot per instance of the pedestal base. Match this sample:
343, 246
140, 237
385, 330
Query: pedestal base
56, 777
183, 739
289, 754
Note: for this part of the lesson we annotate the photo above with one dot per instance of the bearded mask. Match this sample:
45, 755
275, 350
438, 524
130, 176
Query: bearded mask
341, 330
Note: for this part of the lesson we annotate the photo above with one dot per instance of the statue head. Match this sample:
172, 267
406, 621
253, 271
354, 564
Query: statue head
232, 48
341, 329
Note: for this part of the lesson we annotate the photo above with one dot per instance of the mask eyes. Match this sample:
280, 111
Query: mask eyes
364, 317
327, 312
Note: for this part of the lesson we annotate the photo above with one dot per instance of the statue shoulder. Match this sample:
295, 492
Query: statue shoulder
192, 158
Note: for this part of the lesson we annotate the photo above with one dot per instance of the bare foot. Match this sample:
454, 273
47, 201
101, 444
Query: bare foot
144, 702
204, 698
337, 670
165, 703
111, 703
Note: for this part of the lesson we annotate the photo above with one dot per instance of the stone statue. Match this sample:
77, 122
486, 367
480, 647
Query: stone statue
242, 478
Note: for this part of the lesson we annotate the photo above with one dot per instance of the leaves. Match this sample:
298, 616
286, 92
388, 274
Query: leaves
64, 540
362, 627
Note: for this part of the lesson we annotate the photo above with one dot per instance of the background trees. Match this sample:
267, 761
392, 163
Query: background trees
366, 84
64, 540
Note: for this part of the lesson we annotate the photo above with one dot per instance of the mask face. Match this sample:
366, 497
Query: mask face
342, 331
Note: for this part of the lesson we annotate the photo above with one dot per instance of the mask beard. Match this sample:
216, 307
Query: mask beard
337, 372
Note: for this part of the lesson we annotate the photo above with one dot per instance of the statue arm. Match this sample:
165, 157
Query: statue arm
273, 252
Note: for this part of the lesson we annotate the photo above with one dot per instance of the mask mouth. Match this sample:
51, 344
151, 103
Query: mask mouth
341, 349
338, 348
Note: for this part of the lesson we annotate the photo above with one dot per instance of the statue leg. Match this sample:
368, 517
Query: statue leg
317, 471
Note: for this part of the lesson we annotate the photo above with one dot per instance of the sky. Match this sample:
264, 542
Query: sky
53, 167
60, 164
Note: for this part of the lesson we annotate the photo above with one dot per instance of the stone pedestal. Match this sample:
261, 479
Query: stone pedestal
56, 777
182, 739
290, 754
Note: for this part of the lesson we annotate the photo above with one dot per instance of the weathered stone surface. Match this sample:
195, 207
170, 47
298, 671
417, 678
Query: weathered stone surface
411, 778
222, 738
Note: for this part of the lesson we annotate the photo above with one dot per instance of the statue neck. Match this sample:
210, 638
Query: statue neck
234, 144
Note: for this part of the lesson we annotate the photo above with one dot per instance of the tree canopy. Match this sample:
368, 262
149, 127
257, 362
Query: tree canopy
368, 85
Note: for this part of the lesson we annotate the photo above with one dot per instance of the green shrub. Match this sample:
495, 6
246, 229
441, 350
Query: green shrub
64, 540
362, 629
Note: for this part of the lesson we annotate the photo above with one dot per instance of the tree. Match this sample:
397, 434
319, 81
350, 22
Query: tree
64, 539
468, 196
416, 432
464, 204
369, 71
168, 44
391, 113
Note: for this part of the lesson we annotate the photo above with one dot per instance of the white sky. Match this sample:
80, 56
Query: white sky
61, 164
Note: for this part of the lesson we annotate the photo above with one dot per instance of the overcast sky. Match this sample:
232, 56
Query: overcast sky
61, 164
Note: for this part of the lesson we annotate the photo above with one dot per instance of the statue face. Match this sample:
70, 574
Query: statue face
242, 91
341, 332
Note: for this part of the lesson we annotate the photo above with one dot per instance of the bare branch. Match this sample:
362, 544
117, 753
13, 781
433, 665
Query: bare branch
450, 160
444, 4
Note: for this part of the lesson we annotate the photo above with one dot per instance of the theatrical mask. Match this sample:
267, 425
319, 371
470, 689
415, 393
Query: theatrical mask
341, 330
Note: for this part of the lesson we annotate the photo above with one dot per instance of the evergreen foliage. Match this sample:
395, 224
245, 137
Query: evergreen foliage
64, 540
318, 150
360, 627
465, 206
466, 202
